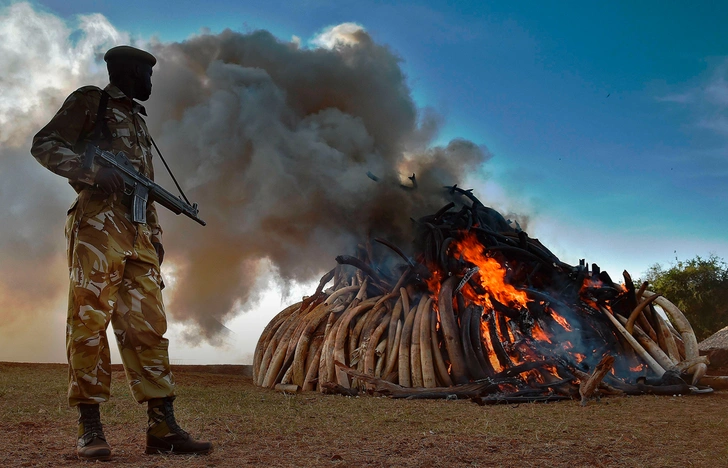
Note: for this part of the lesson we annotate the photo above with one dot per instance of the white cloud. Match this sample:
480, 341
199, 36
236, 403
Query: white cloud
340, 35
40, 60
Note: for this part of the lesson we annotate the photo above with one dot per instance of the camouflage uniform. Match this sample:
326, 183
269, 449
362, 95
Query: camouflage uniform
113, 266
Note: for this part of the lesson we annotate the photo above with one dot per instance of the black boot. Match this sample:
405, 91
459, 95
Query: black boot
92, 443
164, 434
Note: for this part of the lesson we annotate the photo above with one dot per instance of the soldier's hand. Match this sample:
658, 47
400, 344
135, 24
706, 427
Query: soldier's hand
160, 251
109, 180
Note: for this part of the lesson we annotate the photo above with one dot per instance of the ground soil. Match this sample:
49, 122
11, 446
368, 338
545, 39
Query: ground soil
251, 426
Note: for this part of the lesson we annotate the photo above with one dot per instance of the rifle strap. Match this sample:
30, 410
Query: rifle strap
169, 170
100, 127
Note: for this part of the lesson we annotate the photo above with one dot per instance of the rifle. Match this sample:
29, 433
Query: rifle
142, 188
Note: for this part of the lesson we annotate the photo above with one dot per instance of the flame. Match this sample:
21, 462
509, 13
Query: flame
579, 357
511, 335
485, 332
538, 334
560, 320
533, 375
638, 368
591, 282
553, 370
491, 275
434, 283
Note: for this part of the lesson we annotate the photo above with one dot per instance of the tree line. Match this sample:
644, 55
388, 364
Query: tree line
699, 287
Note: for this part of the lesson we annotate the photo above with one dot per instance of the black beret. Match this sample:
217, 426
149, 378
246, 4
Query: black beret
129, 53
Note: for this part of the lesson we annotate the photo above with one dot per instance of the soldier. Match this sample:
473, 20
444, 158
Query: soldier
113, 262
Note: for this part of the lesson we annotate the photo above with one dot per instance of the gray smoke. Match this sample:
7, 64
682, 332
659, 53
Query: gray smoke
275, 142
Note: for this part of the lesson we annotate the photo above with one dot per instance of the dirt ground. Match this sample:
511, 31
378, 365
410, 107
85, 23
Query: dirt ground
255, 427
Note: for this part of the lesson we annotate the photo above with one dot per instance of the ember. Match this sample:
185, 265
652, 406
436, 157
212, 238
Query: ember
482, 311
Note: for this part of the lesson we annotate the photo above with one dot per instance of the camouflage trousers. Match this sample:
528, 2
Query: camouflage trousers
114, 273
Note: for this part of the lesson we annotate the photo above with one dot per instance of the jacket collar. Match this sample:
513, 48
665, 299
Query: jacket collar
116, 93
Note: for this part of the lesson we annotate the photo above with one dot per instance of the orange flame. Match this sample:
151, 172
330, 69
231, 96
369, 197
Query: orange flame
485, 332
492, 274
434, 284
560, 320
539, 334
590, 282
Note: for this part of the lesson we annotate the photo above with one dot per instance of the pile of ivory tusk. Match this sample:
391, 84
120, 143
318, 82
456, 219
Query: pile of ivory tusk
662, 345
388, 333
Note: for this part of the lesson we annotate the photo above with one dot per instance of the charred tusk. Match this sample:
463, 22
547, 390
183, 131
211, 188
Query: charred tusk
650, 346
440, 366
657, 368
450, 331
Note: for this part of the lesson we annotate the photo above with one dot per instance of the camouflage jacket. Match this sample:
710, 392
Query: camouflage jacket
59, 145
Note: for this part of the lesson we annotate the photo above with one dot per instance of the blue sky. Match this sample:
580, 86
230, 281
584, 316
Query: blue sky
594, 112
608, 123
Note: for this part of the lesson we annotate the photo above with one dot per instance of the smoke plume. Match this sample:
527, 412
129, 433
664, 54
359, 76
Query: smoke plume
272, 139
275, 143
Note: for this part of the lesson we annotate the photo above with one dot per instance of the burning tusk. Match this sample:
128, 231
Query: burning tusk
649, 345
440, 366
471, 359
450, 331
657, 368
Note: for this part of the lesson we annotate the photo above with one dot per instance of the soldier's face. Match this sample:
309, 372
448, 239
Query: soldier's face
143, 82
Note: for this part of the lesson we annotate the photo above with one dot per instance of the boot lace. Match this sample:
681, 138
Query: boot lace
91, 420
170, 419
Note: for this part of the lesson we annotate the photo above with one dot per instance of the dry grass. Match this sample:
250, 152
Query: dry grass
256, 427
